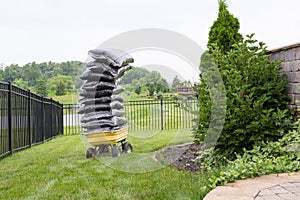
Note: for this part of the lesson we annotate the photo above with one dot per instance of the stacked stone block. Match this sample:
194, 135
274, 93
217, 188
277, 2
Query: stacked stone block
290, 55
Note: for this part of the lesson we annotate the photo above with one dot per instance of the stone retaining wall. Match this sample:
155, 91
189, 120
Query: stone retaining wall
291, 67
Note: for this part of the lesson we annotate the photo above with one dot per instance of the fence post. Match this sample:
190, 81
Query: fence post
51, 118
61, 123
43, 118
162, 113
29, 118
9, 120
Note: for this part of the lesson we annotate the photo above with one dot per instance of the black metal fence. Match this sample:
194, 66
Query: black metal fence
26, 118
144, 115
71, 119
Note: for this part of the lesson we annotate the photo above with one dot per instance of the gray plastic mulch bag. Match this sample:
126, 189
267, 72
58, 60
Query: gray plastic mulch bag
116, 105
94, 85
119, 121
122, 70
88, 83
96, 94
118, 57
105, 60
104, 113
88, 75
93, 108
98, 124
89, 101
97, 130
118, 128
118, 90
117, 97
118, 112
96, 116
101, 68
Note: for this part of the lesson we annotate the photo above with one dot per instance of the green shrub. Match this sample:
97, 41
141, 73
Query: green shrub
268, 158
256, 99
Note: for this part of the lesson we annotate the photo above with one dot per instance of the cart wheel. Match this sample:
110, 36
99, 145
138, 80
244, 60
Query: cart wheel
127, 147
116, 151
91, 152
104, 148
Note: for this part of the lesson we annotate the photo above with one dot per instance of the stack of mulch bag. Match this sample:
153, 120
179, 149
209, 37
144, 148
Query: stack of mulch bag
102, 105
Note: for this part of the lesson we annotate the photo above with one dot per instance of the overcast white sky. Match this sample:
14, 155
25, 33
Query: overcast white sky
62, 30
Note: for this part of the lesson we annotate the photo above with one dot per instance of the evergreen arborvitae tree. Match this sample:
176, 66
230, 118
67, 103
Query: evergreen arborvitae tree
256, 97
204, 100
41, 88
224, 31
222, 35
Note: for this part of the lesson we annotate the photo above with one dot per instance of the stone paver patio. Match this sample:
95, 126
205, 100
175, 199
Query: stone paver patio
271, 187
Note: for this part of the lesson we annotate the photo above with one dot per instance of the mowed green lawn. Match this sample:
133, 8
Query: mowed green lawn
67, 99
58, 169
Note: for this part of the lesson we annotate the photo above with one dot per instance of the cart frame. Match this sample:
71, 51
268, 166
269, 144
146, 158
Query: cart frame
102, 141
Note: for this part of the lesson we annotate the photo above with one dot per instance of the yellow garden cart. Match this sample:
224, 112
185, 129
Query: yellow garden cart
103, 142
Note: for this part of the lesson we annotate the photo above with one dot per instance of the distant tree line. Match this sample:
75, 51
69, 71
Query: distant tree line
144, 83
47, 78
150, 83
50, 78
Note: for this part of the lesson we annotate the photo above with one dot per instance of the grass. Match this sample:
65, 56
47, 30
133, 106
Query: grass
58, 169
72, 98
72, 130
66, 99
148, 115
149, 141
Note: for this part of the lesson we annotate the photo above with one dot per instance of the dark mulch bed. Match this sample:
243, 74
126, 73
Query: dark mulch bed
181, 156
